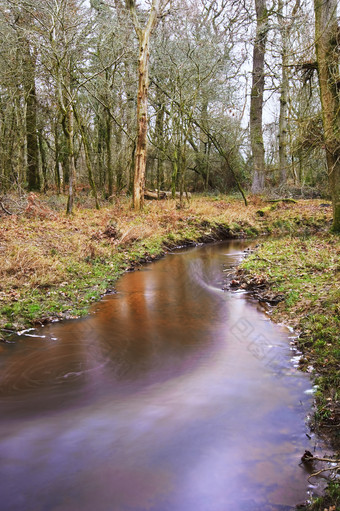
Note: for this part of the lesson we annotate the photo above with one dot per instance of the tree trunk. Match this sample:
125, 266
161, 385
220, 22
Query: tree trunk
183, 164
87, 150
326, 45
160, 141
283, 119
142, 97
68, 127
256, 100
42, 150
285, 28
174, 175
57, 158
118, 161
142, 123
202, 158
65, 163
33, 178
100, 150
108, 142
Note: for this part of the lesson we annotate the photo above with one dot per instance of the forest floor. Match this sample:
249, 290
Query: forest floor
53, 267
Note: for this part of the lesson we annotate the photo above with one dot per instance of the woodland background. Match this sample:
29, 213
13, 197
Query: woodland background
233, 99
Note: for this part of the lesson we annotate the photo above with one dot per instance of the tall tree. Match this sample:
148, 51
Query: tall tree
286, 26
28, 56
327, 42
29, 71
143, 34
256, 99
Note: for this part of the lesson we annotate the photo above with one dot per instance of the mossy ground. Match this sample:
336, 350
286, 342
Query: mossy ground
306, 272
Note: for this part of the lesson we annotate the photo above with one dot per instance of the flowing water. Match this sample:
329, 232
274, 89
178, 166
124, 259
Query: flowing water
171, 396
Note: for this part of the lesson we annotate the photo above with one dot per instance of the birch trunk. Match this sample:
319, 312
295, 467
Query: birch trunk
142, 97
142, 122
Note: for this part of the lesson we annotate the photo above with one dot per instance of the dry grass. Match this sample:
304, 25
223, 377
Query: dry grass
41, 248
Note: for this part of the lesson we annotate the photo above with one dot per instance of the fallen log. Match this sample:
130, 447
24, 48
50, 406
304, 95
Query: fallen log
161, 195
154, 195
282, 200
186, 195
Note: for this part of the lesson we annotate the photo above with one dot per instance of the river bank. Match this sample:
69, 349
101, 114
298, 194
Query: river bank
53, 266
299, 278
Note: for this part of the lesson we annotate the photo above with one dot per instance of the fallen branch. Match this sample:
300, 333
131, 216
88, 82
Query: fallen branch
328, 469
327, 460
308, 459
282, 200
4, 209
161, 194
267, 260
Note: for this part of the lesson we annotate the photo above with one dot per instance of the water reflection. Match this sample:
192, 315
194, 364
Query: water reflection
171, 396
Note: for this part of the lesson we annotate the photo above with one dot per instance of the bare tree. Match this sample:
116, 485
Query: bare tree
143, 34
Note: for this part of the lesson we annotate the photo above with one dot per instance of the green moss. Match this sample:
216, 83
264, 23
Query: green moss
330, 501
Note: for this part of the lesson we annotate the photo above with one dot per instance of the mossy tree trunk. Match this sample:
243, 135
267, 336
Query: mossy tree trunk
327, 42
57, 159
286, 24
160, 141
256, 97
283, 118
68, 127
87, 151
43, 157
203, 160
108, 143
29, 65
100, 144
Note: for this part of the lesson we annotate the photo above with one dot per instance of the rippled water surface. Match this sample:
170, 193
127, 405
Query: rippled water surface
172, 396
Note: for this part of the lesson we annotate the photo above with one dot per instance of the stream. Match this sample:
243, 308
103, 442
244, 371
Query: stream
172, 395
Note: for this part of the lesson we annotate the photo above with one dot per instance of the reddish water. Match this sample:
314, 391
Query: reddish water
172, 396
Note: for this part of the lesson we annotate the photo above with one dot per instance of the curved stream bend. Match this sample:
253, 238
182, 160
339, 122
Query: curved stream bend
171, 396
